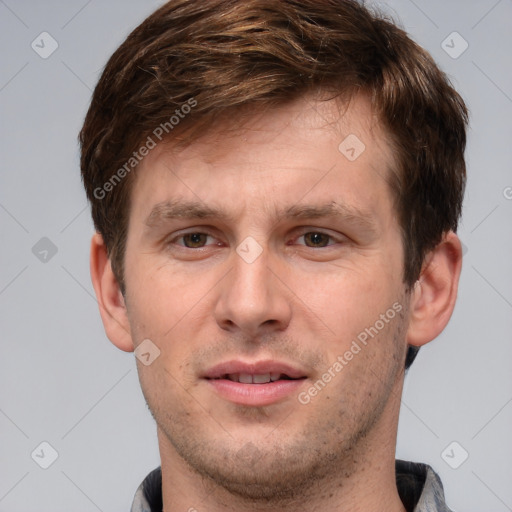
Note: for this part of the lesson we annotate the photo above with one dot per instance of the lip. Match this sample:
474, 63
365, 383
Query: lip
255, 368
254, 394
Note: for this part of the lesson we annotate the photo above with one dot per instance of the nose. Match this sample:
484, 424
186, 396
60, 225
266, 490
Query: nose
252, 299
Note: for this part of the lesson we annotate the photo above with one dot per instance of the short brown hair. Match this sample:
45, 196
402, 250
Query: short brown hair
229, 54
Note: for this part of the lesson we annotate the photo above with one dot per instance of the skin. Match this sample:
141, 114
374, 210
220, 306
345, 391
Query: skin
302, 301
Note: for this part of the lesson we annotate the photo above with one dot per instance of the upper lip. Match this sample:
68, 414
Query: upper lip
253, 368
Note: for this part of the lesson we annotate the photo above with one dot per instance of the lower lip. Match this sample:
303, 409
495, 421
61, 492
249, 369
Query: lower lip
255, 394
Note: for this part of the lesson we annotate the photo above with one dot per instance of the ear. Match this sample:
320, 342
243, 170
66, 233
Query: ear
434, 294
110, 299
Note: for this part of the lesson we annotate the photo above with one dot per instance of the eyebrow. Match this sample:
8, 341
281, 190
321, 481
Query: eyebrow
168, 210
192, 210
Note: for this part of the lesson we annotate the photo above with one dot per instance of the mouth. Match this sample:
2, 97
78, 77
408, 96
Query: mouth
262, 378
255, 384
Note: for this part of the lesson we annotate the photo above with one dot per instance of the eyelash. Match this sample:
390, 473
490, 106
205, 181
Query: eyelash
331, 239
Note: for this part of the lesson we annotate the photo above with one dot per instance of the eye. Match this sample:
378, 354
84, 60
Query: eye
316, 239
193, 240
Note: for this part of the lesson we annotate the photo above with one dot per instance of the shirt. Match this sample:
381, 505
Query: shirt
419, 488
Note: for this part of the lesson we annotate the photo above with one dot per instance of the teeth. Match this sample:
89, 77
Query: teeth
261, 379
247, 378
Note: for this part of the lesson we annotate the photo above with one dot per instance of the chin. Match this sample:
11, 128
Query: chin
261, 478
278, 474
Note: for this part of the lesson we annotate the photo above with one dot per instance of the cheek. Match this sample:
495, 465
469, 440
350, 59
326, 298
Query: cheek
368, 354
157, 298
351, 298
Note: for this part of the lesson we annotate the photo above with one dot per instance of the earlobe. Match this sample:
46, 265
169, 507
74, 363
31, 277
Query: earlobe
110, 299
434, 294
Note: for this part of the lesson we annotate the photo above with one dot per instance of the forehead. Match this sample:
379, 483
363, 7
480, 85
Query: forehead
310, 147
305, 119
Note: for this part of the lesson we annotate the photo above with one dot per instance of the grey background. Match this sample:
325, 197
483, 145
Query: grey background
62, 382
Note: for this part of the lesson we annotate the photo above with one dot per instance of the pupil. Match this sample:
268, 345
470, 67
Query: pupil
317, 239
195, 239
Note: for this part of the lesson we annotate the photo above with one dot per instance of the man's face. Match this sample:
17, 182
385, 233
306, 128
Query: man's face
269, 253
